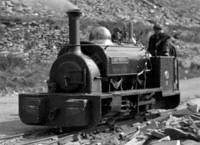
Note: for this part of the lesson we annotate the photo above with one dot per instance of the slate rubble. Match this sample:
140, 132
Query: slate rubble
28, 28
171, 127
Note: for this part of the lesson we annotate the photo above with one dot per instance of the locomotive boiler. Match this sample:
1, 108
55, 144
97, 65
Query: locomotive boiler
93, 81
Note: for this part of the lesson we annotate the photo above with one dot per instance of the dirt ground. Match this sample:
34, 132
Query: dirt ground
10, 123
9, 119
190, 89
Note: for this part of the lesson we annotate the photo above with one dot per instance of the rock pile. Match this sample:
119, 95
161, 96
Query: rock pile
30, 30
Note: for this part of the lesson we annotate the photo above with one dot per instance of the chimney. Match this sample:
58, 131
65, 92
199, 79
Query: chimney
74, 31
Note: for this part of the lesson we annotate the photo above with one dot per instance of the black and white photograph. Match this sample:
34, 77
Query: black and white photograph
99, 72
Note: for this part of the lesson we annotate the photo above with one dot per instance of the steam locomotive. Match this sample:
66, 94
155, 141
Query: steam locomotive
93, 81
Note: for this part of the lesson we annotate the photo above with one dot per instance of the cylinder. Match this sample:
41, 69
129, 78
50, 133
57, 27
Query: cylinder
74, 31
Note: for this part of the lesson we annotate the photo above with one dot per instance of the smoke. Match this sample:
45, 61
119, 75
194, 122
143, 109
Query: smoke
60, 5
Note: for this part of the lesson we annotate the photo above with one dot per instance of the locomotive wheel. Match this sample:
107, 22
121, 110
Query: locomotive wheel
172, 101
168, 102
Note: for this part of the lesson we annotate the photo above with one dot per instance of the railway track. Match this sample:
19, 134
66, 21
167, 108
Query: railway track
37, 138
56, 137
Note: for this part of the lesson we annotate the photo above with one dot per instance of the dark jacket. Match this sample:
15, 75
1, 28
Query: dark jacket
158, 44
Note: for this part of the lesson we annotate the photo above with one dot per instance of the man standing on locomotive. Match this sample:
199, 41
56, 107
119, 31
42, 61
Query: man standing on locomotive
159, 42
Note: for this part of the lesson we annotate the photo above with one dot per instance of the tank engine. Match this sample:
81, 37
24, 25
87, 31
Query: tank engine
92, 81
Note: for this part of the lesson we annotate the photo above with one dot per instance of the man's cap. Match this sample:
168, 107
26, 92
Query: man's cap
157, 27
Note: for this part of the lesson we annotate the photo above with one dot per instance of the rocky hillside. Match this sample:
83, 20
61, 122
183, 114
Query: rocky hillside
33, 31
